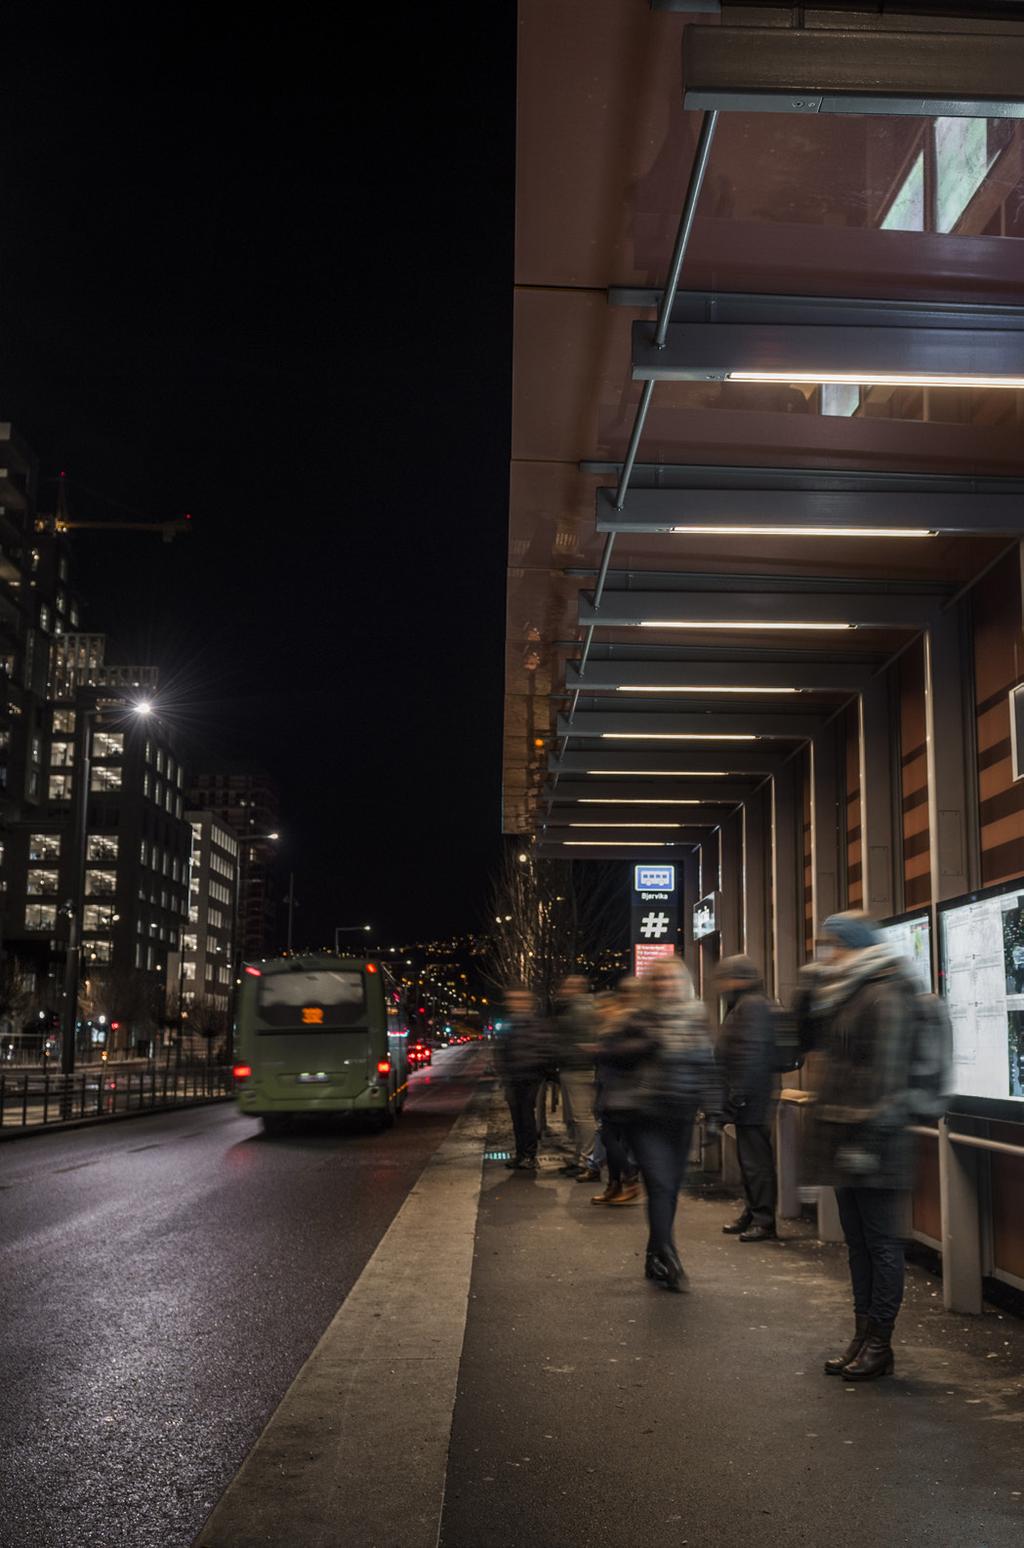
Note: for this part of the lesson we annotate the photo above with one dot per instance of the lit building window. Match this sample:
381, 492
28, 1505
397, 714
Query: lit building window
40, 916
159, 760
62, 755
44, 616
60, 787
44, 846
190, 942
63, 722
188, 971
144, 853
41, 882
98, 951
100, 846
105, 779
37, 749
150, 958
100, 884
108, 744
146, 785
97, 916
73, 615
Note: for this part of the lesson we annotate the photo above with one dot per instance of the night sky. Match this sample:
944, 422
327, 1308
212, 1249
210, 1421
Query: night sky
263, 274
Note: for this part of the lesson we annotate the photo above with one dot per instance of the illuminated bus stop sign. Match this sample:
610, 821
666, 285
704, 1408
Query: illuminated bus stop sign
654, 915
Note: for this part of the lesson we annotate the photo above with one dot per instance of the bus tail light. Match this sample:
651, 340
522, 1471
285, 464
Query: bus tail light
383, 1066
242, 1071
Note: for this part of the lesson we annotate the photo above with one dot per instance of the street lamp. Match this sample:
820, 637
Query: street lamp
347, 929
86, 714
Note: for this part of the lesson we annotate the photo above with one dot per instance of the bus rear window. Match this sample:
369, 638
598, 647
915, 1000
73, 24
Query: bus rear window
311, 1002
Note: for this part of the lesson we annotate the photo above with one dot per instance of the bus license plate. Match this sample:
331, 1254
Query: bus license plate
312, 1080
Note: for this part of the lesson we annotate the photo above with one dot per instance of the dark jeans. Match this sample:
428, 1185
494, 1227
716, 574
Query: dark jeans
757, 1164
621, 1166
662, 1149
521, 1096
872, 1220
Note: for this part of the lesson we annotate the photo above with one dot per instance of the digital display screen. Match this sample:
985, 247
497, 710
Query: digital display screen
704, 917
912, 938
982, 944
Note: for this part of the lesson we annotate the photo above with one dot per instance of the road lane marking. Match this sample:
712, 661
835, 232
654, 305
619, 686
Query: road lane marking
356, 1453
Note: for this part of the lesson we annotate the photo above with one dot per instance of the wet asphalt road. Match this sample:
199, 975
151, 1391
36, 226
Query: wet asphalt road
163, 1280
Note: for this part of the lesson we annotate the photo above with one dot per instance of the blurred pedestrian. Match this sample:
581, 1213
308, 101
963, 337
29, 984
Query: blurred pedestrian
746, 1054
862, 1017
666, 1047
614, 1094
519, 1058
574, 1031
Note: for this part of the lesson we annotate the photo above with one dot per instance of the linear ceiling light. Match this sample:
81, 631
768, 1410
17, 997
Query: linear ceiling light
737, 623
646, 826
664, 773
840, 532
614, 843
645, 801
692, 688
677, 736
876, 379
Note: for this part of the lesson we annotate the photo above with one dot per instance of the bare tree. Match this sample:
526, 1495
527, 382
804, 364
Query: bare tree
207, 1018
549, 918
17, 993
129, 996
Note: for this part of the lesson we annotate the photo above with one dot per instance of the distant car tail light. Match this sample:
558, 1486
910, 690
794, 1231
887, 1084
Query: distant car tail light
383, 1066
242, 1071
254, 972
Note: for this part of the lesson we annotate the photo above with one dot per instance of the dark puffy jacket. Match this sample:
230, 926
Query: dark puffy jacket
857, 1135
575, 1028
746, 1053
661, 1064
523, 1050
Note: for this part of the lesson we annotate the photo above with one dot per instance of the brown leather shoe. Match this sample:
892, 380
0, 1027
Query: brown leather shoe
609, 1196
629, 1193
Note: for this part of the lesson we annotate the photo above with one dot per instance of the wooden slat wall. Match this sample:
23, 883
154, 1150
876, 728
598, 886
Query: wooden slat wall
998, 666
914, 777
854, 869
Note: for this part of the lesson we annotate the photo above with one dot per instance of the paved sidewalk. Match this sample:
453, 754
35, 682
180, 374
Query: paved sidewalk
597, 1411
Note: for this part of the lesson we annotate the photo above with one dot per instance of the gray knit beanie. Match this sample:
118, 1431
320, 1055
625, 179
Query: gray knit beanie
854, 930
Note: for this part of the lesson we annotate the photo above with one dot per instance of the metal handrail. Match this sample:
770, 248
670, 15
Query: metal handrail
976, 1142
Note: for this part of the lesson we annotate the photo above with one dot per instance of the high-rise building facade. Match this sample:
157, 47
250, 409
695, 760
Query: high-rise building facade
208, 953
249, 805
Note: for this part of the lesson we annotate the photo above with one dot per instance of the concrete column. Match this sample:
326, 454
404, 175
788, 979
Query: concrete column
949, 729
824, 826
959, 1192
756, 901
787, 880
877, 847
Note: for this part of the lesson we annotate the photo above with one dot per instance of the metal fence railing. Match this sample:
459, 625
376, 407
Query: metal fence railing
32, 1098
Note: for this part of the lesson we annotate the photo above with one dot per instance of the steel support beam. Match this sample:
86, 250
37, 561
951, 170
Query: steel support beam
877, 840
680, 676
718, 352
756, 901
840, 70
730, 926
689, 895
676, 724
838, 611
554, 849
787, 880
556, 831
824, 825
824, 509
952, 818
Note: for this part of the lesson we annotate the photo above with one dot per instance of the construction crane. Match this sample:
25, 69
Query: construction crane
61, 521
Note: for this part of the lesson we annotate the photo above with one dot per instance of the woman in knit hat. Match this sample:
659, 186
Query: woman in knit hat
864, 1013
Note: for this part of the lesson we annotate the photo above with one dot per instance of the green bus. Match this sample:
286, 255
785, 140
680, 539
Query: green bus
320, 1034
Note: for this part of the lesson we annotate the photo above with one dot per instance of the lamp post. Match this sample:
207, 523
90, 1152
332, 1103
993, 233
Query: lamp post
347, 930
86, 715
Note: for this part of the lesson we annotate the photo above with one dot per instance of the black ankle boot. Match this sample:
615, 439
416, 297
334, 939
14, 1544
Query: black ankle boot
742, 1224
835, 1367
675, 1274
654, 1268
875, 1357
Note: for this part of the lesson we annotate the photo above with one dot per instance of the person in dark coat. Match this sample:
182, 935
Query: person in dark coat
862, 1015
746, 1056
667, 1051
520, 1057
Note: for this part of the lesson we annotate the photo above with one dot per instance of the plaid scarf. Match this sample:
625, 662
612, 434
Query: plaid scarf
837, 981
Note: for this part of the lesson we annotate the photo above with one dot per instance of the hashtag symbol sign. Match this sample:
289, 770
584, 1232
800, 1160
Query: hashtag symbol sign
653, 926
